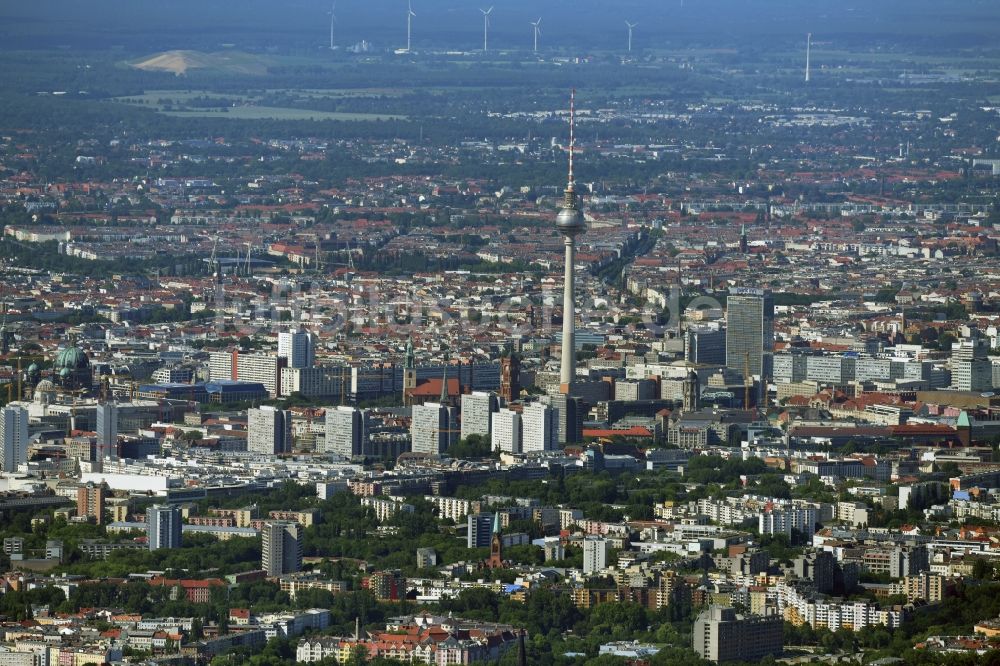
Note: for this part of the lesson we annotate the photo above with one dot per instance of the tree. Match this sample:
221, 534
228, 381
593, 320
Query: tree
359, 656
983, 569
473, 446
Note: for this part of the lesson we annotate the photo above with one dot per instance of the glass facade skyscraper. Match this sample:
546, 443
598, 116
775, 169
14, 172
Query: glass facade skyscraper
750, 330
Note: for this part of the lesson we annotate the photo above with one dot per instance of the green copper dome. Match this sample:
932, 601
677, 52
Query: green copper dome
72, 358
65, 372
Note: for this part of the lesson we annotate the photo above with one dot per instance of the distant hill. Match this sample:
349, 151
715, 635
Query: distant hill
179, 62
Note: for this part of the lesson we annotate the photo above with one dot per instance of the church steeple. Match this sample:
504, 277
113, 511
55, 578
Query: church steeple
409, 373
408, 359
4, 340
496, 545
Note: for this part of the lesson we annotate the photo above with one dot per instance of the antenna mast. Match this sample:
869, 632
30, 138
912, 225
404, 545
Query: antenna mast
572, 136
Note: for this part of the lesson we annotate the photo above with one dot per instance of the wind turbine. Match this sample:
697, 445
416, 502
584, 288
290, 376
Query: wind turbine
630, 26
333, 19
809, 41
537, 30
486, 26
409, 21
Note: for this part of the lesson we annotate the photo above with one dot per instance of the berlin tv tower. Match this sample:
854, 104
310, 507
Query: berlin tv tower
569, 223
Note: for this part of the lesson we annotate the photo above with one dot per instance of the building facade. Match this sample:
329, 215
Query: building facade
478, 408
269, 430
346, 431
750, 330
720, 635
163, 526
540, 428
13, 437
433, 429
281, 547
297, 348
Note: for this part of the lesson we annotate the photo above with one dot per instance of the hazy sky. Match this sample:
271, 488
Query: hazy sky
458, 24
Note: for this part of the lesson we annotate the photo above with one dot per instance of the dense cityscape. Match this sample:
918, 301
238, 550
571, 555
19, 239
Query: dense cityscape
421, 335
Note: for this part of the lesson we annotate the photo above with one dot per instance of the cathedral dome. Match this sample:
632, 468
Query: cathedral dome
44, 392
72, 358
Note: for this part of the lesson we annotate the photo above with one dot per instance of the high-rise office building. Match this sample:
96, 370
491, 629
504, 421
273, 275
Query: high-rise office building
263, 368
720, 635
705, 345
13, 436
478, 408
269, 430
346, 431
480, 530
750, 331
297, 347
971, 369
90, 501
319, 381
595, 554
539, 428
433, 428
506, 435
572, 410
107, 430
163, 526
281, 547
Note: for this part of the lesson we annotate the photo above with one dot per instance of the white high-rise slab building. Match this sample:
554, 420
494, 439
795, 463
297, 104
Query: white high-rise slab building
595, 554
297, 347
506, 431
540, 428
971, 369
13, 436
346, 431
433, 429
269, 430
477, 408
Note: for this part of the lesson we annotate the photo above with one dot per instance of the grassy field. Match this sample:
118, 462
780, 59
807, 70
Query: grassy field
277, 113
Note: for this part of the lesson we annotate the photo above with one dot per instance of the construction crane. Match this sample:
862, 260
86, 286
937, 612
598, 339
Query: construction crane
213, 261
350, 258
449, 432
